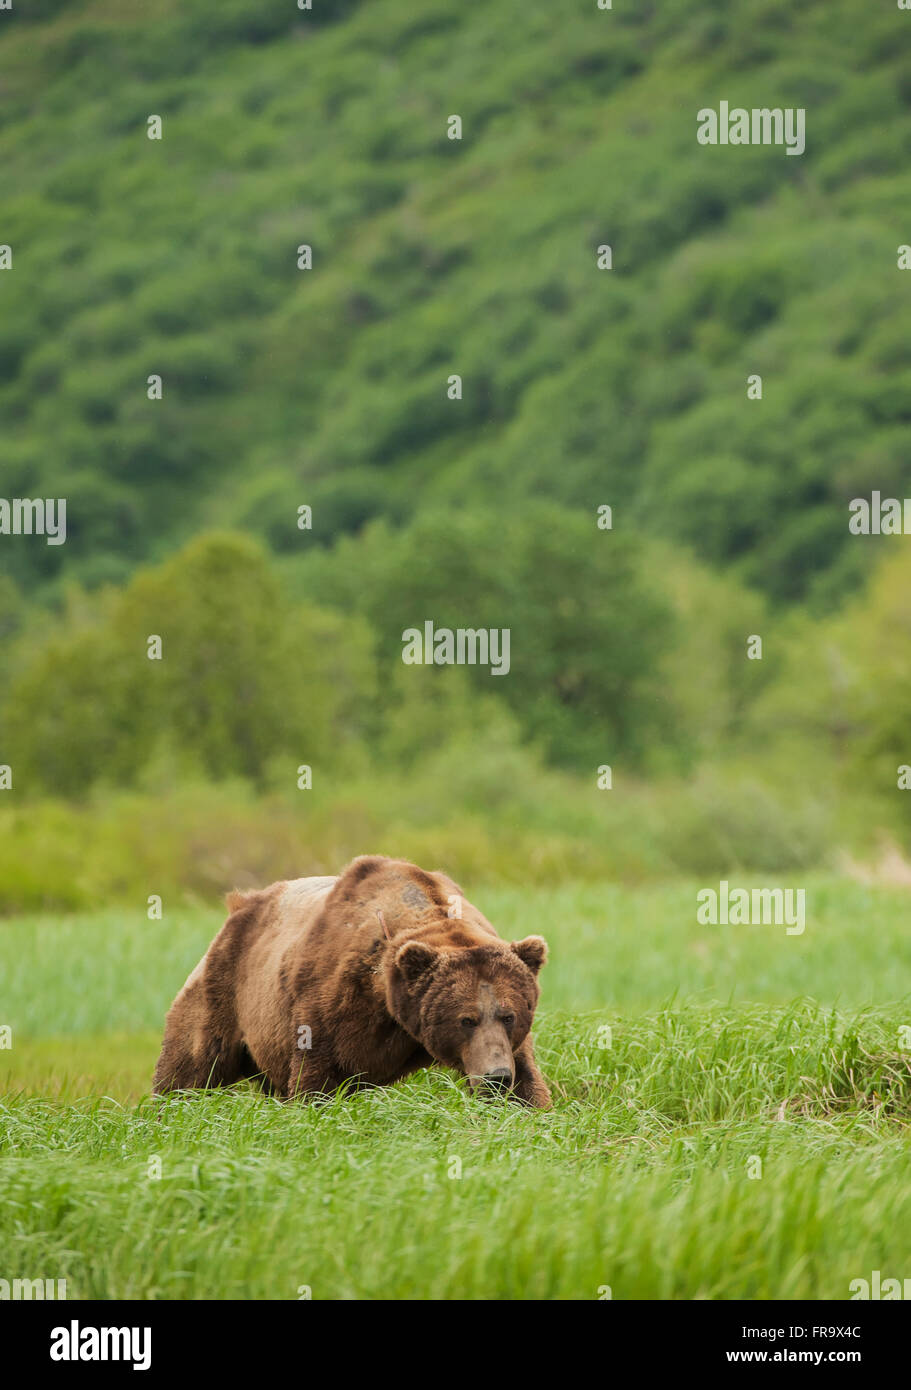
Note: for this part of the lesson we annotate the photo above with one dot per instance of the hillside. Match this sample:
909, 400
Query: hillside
433, 256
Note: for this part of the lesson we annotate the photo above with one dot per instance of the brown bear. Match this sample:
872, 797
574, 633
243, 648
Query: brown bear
364, 978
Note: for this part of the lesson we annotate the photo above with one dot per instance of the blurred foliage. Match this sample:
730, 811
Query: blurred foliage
183, 772
485, 811
432, 256
842, 705
244, 676
587, 622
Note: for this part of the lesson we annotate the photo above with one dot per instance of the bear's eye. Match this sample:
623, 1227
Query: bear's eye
469, 1022
507, 1020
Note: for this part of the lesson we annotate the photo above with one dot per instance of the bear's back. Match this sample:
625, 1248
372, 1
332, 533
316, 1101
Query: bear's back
301, 892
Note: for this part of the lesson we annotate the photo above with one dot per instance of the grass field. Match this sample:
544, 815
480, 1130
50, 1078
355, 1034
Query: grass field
730, 1120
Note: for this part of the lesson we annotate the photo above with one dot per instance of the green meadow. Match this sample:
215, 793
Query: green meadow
730, 1120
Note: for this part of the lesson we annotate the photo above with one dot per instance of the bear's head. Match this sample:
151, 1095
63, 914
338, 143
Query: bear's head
469, 1008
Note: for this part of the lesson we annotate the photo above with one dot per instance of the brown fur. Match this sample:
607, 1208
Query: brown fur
373, 966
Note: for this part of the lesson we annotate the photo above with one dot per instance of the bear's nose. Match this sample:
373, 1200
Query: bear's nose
499, 1079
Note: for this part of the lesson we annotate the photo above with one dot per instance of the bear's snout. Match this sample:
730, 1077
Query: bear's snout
488, 1060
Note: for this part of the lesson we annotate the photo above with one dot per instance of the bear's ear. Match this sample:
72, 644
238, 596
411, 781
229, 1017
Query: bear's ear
412, 959
531, 952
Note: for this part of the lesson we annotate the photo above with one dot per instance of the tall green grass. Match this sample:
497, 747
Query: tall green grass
644, 1177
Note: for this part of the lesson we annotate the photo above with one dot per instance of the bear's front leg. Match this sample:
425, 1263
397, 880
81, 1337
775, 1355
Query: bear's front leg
310, 1076
530, 1086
